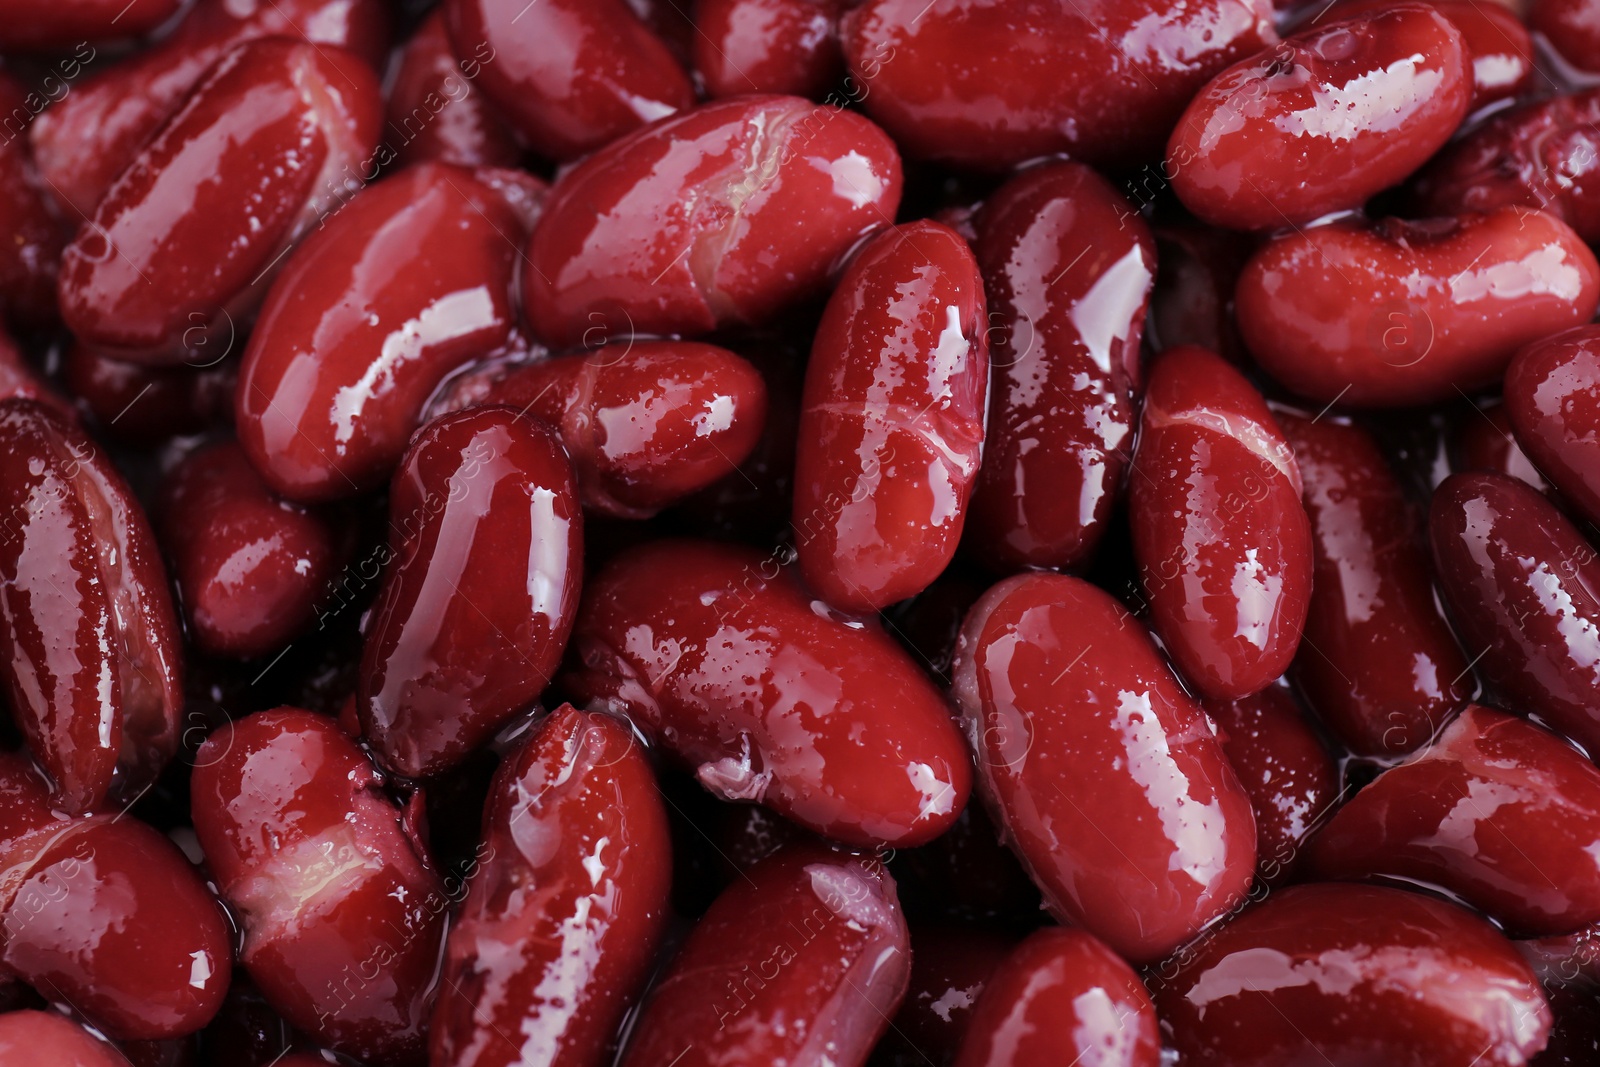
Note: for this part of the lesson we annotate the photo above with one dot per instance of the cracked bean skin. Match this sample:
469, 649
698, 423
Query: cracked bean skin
720, 655
892, 419
753, 202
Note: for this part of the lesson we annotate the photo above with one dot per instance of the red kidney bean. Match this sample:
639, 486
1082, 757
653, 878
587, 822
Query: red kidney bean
645, 423
1498, 48
768, 46
751, 203
1572, 29
106, 915
949, 966
719, 654
1350, 974
892, 419
1107, 779
251, 567
569, 75
48, 26
1498, 812
1289, 776
1062, 997
1377, 662
89, 642
1393, 313
343, 918
1552, 397
986, 84
414, 278
437, 111
1222, 541
144, 406
173, 256
1378, 93
1068, 266
1485, 441
1544, 155
476, 606
88, 136
45, 1037
563, 917
802, 961
1523, 587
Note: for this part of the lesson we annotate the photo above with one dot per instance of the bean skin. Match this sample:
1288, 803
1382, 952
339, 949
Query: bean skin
1552, 398
892, 419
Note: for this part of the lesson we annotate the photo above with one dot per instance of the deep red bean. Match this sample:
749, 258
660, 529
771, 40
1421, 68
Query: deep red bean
1544, 154
436, 110
1484, 441
1498, 812
719, 654
1523, 587
88, 136
949, 966
1289, 776
1068, 266
1392, 313
768, 46
1552, 397
1347, 974
1222, 541
51, 26
45, 1037
992, 83
172, 255
31, 255
892, 419
1062, 997
1498, 47
1377, 662
562, 919
251, 567
342, 915
1323, 121
89, 642
802, 961
749, 204
1572, 27
569, 75
645, 423
144, 406
487, 549
411, 280
105, 915
1106, 778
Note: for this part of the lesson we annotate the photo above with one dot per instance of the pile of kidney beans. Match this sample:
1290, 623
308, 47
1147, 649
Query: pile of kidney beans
799, 533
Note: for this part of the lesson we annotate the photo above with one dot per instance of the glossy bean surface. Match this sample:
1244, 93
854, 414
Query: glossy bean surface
892, 419
768, 46
1068, 267
1393, 313
751, 203
565, 913
475, 609
91, 661
1552, 398
437, 112
409, 281
1377, 662
718, 653
1106, 778
1222, 541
